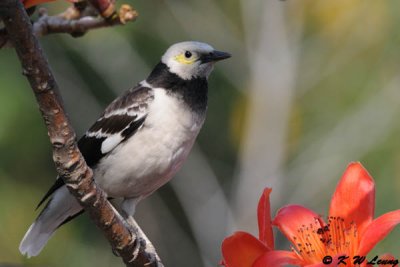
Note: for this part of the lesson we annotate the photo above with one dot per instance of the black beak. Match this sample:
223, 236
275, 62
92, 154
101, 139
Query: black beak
214, 56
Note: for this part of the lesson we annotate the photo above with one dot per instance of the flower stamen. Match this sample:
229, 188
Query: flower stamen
315, 241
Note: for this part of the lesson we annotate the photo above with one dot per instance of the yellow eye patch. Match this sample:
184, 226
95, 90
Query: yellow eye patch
184, 60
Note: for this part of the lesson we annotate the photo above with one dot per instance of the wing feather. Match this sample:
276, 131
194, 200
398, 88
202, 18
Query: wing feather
121, 119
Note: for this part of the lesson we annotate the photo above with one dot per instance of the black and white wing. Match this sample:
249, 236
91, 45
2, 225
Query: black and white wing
120, 120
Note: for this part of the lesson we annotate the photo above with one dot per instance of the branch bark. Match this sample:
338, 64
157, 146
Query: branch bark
59, 24
78, 20
132, 246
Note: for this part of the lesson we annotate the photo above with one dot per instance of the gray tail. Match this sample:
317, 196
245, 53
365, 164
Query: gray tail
60, 209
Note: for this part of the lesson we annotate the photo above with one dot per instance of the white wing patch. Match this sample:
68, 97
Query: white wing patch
122, 118
111, 142
97, 134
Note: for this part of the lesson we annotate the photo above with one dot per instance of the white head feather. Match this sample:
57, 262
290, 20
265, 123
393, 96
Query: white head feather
186, 66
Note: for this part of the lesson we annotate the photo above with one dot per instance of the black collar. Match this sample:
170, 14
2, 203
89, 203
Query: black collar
192, 91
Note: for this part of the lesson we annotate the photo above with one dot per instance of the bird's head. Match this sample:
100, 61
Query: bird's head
192, 59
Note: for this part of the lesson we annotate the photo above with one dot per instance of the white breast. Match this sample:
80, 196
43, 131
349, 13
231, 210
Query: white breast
153, 155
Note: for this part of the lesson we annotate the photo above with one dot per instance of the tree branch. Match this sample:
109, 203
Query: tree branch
131, 246
78, 19
59, 24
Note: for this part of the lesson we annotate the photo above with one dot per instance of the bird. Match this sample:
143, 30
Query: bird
141, 139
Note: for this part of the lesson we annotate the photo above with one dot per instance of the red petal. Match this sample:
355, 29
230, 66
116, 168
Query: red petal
31, 3
335, 262
291, 218
241, 250
354, 198
277, 258
264, 219
377, 231
321, 264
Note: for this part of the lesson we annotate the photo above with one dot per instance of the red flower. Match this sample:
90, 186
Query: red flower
242, 249
351, 228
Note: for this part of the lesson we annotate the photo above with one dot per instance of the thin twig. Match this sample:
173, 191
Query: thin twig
71, 21
71, 166
59, 24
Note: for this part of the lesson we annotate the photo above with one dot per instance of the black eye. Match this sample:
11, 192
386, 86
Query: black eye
188, 54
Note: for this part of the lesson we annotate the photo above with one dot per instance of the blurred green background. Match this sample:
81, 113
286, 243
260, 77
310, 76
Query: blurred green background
311, 86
